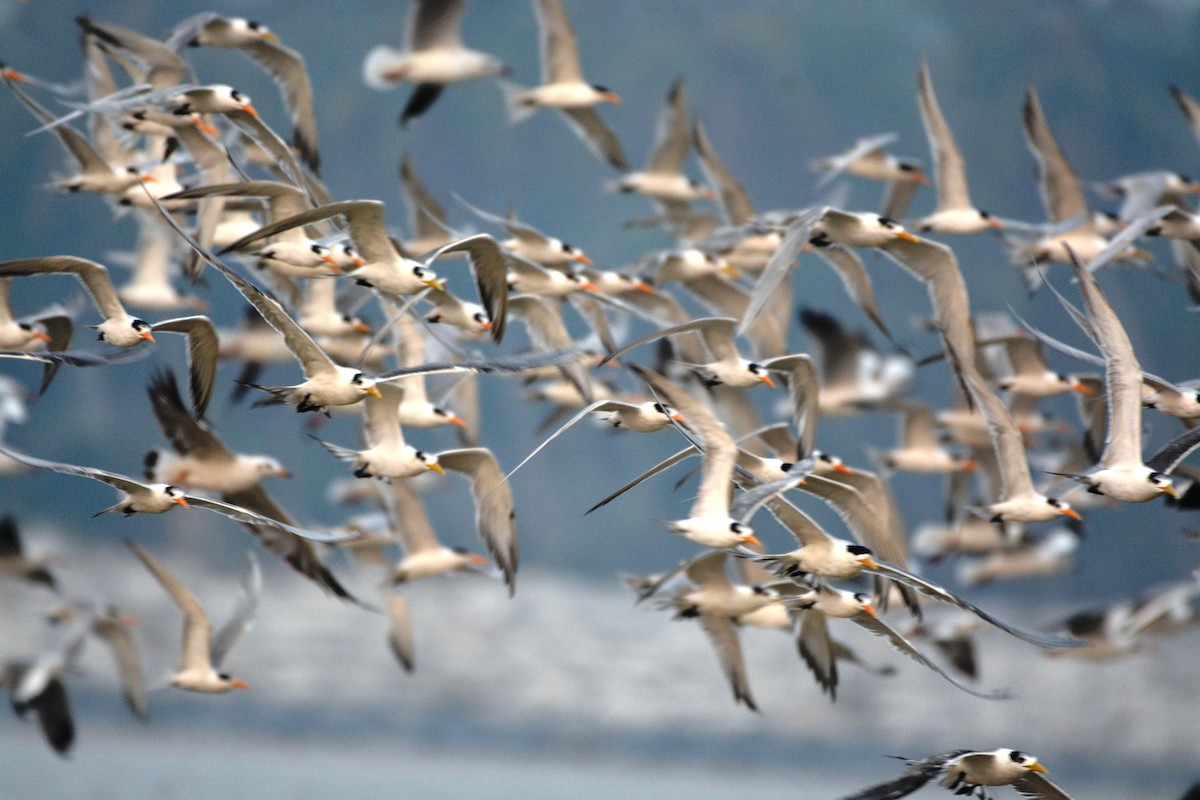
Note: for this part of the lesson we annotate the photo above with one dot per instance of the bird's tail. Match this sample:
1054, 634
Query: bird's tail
513, 94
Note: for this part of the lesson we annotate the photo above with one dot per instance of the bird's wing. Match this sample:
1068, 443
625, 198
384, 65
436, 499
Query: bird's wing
916, 775
493, 504
1062, 193
1122, 374
202, 348
856, 281
197, 628
290, 74
708, 571
939, 593
589, 126
903, 645
735, 201
188, 435
724, 637
720, 451
949, 169
244, 611
671, 140
400, 634
1170, 454
93, 276
560, 49
410, 522
248, 517
490, 268
1033, 785
816, 649
122, 482
116, 635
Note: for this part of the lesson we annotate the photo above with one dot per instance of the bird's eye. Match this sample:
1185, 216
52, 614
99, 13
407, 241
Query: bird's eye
254, 25
887, 223
567, 248
235, 94
907, 167
25, 326
316, 248
141, 325
441, 412
1017, 756
357, 379
858, 550
862, 598
985, 215
1053, 502
735, 527
758, 589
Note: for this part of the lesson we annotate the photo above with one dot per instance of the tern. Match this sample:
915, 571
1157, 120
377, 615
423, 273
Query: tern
285, 66
203, 652
157, 498
816, 647
966, 772
727, 367
954, 212
119, 327
563, 87
433, 56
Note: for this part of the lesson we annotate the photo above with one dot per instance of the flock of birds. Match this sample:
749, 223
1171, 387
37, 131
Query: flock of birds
220, 196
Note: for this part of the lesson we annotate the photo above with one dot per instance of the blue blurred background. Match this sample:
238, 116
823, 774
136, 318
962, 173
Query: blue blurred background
567, 689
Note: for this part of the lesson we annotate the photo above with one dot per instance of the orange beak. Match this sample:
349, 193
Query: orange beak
642, 286
1082, 388
1072, 513
283, 472
920, 178
591, 287
970, 465
456, 421
182, 501
41, 337
612, 97
249, 109
750, 538
582, 259
767, 380
11, 74
478, 561
239, 684
995, 223
678, 418
842, 468
361, 327
906, 236
870, 610
330, 260
203, 125
147, 335
487, 326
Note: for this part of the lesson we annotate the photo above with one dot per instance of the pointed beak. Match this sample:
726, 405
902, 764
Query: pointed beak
1036, 767
1141, 255
1082, 388
487, 326
459, 421
1169, 489
147, 335
203, 124
842, 468
869, 609
906, 236
591, 287
149, 178
11, 74
920, 178
750, 538
41, 337
869, 563
239, 684
361, 327
269, 37
678, 418
612, 97
1072, 513
642, 286
729, 271
478, 560
373, 390
283, 472
436, 467
358, 261
583, 259
181, 501
995, 224
970, 465
249, 109
767, 380
330, 260
434, 283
